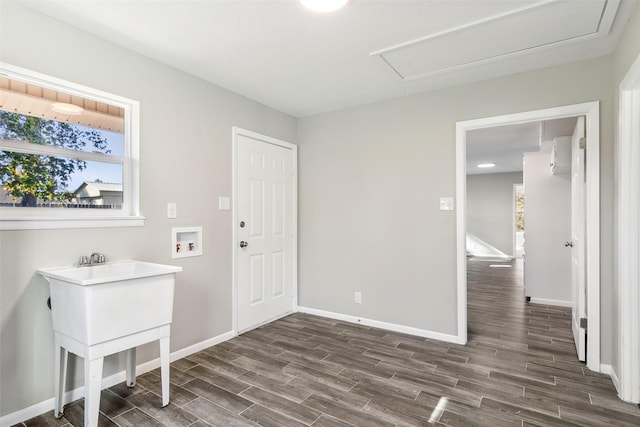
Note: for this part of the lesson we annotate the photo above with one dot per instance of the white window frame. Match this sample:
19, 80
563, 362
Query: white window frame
23, 218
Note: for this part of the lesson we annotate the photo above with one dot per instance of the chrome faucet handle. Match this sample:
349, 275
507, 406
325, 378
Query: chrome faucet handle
83, 261
97, 258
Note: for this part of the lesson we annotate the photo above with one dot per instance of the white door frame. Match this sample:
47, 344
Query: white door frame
592, 112
628, 160
578, 239
237, 132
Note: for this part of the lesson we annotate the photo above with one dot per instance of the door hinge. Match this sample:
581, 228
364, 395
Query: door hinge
583, 323
583, 144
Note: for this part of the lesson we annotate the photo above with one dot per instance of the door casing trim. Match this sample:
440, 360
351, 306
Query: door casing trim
236, 133
628, 233
592, 112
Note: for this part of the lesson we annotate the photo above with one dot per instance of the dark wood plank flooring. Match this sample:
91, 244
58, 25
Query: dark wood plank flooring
518, 369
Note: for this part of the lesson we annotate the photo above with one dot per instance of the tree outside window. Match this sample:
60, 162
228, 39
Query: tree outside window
32, 177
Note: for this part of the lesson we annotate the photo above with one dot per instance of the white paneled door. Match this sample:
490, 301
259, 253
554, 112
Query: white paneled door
578, 233
265, 230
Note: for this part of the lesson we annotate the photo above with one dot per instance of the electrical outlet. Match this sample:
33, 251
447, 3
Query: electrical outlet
357, 297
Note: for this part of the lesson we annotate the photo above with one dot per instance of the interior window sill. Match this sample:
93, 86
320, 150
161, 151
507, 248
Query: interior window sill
58, 223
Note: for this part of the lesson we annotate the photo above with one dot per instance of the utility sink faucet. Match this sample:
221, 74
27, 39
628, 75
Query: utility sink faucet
95, 258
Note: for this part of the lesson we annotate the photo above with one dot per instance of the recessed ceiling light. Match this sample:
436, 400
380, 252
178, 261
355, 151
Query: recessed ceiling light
64, 108
323, 5
486, 165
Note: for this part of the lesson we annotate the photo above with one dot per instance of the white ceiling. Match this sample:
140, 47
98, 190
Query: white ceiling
505, 145
303, 63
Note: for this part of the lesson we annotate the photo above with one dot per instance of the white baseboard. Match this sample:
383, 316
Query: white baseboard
545, 301
26, 413
382, 325
608, 369
110, 381
192, 349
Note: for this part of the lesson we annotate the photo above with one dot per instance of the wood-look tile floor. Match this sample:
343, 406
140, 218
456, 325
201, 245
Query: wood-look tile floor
518, 369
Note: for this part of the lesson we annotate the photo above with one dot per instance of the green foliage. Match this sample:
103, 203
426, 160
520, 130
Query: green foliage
33, 177
520, 211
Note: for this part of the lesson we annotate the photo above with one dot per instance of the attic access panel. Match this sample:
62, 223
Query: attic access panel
539, 26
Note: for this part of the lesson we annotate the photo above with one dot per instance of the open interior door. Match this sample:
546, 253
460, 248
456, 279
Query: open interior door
578, 239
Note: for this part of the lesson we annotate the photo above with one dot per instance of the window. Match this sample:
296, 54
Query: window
68, 154
518, 220
519, 208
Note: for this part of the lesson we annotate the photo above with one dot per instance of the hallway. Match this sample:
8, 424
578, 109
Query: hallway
531, 346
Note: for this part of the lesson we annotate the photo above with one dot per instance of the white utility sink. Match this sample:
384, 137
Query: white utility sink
108, 272
98, 303
106, 308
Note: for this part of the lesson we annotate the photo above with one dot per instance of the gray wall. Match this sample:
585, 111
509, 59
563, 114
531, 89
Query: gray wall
547, 219
490, 208
185, 126
626, 53
370, 180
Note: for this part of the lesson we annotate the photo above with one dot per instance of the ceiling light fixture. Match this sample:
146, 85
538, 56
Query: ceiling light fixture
323, 6
486, 165
64, 108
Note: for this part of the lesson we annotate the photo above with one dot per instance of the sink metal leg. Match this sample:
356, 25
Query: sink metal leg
60, 378
92, 387
131, 367
164, 369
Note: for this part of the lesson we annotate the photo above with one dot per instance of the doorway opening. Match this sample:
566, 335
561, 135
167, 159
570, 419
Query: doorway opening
592, 218
496, 212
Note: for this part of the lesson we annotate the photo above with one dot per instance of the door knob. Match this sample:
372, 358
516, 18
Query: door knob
567, 244
243, 244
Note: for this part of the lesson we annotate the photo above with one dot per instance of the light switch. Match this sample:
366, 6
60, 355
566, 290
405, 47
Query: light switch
172, 210
224, 203
446, 203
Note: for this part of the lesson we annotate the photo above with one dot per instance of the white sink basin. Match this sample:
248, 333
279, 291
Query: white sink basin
108, 272
107, 301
